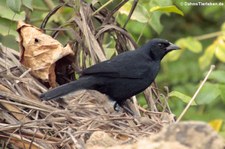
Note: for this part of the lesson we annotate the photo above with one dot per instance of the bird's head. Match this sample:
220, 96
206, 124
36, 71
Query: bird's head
158, 48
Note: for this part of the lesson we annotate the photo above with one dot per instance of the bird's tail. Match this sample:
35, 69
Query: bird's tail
82, 83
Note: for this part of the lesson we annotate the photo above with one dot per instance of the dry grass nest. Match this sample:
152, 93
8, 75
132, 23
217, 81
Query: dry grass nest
26, 121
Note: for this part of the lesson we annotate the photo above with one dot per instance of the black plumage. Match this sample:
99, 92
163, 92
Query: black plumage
123, 76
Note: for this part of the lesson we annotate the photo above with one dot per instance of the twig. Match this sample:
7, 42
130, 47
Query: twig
136, 105
109, 16
103, 6
75, 141
210, 35
135, 2
52, 12
196, 93
26, 101
22, 105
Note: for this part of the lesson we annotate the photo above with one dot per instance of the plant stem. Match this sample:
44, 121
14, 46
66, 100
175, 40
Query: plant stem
210, 35
196, 93
49, 4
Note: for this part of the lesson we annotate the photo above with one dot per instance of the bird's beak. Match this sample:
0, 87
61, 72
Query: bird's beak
172, 47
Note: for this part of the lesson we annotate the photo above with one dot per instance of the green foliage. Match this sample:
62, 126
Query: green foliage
222, 93
206, 58
217, 49
150, 16
218, 76
171, 8
190, 43
14, 5
184, 44
11, 12
181, 96
204, 97
220, 50
28, 4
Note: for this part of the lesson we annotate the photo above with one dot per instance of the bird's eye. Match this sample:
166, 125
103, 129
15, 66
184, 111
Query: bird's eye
160, 45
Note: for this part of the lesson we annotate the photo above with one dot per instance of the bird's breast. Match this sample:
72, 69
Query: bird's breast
151, 73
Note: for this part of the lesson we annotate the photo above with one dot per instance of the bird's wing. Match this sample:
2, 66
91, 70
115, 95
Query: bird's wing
127, 65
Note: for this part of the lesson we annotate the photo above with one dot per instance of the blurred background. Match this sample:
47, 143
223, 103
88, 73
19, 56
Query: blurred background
198, 28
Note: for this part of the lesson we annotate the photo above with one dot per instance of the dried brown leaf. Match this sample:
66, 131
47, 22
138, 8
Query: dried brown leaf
40, 52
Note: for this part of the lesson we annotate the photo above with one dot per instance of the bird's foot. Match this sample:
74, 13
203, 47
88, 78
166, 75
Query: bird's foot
116, 107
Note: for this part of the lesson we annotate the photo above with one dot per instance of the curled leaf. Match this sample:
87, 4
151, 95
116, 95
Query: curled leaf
40, 52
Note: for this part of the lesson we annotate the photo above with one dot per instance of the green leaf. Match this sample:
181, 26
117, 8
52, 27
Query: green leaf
160, 3
155, 22
223, 27
8, 27
173, 55
191, 44
10, 41
9, 14
14, 5
222, 92
155, 16
28, 4
220, 50
181, 96
208, 93
139, 14
206, 58
171, 8
218, 76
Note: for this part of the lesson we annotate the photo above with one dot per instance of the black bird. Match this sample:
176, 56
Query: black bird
122, 77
